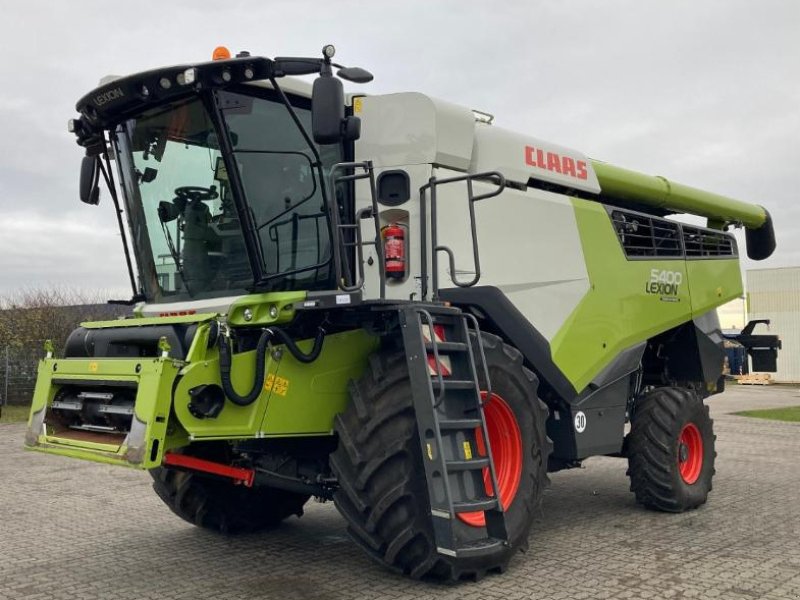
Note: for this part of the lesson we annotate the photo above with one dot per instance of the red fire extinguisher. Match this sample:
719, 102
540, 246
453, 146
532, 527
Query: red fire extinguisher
394, 251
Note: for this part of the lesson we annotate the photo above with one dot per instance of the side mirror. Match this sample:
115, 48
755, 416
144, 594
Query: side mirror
89, 189
327, 109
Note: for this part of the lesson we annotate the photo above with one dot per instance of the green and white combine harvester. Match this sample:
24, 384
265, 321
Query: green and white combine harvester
387, 302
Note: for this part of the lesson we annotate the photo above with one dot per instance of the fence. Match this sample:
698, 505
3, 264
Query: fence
22, 335
18, 372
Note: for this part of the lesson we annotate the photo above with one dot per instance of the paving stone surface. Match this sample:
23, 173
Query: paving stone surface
77, 530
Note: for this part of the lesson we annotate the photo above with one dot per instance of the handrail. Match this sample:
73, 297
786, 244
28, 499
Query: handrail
493, 176
340, 245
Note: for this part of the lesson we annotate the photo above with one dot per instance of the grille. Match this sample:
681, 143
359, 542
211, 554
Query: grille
641, 235
703, 242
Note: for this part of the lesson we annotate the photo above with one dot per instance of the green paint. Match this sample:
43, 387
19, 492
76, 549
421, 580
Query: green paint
316, 393
661, 193
262, 307
154, 379
298, 399
144, 321
713, 283
618, 312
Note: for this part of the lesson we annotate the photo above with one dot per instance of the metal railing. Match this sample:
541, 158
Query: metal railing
432, 185
348, 236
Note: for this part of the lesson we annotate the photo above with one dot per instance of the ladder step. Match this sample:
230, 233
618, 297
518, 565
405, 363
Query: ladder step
459, 424
475, 505
446, 347
454, 384
467, 465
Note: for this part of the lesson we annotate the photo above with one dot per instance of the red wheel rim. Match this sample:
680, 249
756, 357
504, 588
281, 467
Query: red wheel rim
690, 453
506, 441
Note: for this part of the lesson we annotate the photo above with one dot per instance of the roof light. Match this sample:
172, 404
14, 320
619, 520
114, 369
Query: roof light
328, 51
220, 53
189, 76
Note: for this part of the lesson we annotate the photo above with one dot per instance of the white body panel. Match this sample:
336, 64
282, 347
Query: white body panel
413, 129
519, 157
208, 305
529, 248
528, 239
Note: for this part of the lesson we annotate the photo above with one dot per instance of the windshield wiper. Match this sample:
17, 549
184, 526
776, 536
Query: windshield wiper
174, 253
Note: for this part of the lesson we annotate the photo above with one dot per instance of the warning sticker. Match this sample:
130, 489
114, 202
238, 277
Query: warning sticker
467, 451
279, 385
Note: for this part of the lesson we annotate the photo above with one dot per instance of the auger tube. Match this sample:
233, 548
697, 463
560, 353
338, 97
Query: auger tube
660, 192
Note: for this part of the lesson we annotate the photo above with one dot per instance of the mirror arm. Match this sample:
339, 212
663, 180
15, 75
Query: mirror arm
108, 176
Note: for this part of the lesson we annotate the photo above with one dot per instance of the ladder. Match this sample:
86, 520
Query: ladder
447, 399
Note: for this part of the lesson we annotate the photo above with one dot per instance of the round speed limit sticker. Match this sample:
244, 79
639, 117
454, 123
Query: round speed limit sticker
580, 421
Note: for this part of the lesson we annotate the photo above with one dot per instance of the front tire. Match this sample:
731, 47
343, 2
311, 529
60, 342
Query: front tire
221, 506
383, 492
671, 450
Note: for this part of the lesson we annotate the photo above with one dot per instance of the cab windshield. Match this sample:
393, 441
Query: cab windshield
186, 228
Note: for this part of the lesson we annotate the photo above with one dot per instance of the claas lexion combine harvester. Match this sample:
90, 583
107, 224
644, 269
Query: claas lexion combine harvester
387, 302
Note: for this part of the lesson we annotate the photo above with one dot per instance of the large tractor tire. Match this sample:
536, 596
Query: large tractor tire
670, 450
221, 506
383, 492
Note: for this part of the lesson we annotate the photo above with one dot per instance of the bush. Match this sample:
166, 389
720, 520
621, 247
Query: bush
31, 316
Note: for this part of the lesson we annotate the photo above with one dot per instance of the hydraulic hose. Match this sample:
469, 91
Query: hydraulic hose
225, 360
295, 351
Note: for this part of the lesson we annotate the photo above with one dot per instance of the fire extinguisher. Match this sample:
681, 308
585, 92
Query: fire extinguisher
394, 251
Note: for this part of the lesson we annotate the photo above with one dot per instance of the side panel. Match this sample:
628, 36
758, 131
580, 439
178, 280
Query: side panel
621, 309
306, 398
298, 399
530, 248
713, 282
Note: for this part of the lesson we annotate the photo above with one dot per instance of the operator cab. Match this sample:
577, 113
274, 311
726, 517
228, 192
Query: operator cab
223, 186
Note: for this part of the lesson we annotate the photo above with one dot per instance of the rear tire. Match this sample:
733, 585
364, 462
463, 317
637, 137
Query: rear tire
383, 492
671, 450
220, 505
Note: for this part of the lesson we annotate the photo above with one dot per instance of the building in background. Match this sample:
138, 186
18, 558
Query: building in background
774, 294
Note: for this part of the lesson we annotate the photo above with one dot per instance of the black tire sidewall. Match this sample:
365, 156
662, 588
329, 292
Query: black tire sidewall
695, 412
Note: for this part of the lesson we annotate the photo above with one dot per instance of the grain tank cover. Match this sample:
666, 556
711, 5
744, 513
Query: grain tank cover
521, 158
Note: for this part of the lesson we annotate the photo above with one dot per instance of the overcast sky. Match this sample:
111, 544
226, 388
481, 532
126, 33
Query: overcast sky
703, 92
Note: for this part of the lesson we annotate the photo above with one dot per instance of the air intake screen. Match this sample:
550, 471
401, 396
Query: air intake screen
702, 242
641, 235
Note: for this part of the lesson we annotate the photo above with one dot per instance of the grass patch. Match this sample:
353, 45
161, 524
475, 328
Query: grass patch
14, 414
790, 413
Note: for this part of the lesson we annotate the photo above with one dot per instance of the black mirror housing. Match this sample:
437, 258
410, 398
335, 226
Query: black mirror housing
351, 128
327, 109
89, 190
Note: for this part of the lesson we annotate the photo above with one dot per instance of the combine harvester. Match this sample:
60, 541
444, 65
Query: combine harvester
387, 302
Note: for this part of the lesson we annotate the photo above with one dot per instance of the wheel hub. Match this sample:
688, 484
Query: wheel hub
690, 453
506, 443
